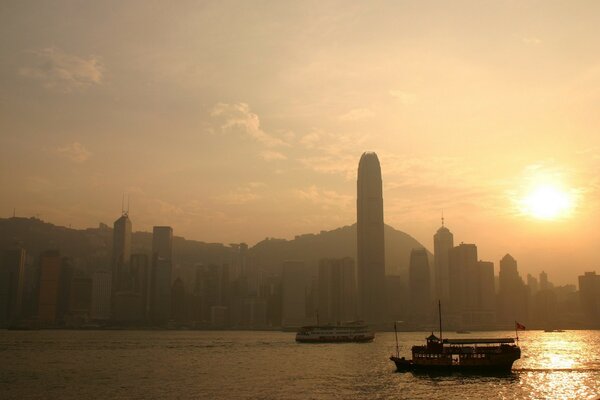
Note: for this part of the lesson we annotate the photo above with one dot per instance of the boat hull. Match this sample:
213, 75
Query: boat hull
500, 366
343, 339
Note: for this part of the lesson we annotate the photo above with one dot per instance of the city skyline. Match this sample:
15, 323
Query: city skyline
234, 122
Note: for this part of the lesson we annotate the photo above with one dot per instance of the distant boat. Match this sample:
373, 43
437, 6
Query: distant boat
478, 356
342, 333
553, 330
462, 332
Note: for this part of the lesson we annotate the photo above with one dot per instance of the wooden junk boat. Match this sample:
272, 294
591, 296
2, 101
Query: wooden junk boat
479, 356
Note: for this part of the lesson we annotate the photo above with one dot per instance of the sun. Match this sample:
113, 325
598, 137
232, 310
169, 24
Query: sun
547, 202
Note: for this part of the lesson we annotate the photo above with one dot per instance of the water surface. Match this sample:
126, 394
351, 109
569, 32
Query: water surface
271, 365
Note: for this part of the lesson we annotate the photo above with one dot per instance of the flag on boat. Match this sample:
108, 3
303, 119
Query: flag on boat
519, 327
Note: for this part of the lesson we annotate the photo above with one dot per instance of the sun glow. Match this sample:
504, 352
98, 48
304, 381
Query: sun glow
547, 202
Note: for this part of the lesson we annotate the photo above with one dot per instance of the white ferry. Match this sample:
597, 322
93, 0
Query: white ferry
348, 332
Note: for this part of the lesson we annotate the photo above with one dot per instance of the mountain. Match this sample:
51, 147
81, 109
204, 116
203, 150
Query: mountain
96, 244
341, 242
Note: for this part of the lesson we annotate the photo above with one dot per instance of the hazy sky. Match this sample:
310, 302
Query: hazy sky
234, 121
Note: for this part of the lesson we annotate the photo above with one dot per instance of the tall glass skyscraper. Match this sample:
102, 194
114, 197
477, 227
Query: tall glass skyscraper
370, 240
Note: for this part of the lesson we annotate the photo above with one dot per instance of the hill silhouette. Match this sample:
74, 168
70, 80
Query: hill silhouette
95, 244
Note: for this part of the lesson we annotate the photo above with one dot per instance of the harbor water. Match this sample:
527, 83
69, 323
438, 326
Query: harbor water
65, 364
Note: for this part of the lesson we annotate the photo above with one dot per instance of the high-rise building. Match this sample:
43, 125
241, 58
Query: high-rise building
443, 241
121, 251
294, 286
370, 240
101, 295
512, 294
419, 286
162, 264
337, 290
50, 279
484, 315
532, 284
12, 281
589, 294
462, 265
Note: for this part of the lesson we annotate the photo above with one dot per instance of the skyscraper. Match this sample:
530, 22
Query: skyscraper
162, 259
337, 288
443, 241
294, 285
370, 240
512, 295
419, 285
121, 251
462, 268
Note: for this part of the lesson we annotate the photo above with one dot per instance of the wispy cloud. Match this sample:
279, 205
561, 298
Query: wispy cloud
327, 199
531, 40
239, 118
270, 155
242, 195
357, 114
405, 98
75, 152
61, 71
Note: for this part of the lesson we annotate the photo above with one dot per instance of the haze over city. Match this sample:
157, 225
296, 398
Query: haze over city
232, 122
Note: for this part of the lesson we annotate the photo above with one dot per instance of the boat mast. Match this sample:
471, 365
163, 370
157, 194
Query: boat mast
396, 333
440, 315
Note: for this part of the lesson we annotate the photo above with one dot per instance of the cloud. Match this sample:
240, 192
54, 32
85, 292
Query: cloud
238, 118
270, 155
531, 40
326, 199
357, 114
75, 152
64, 72
242, 195
405, 98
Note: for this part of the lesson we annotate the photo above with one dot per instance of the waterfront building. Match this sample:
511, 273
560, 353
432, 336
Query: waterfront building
370, 240
162, 264
512, 294
12, 281
294, 287
443, 241
101, 295
121, 251
50, 279
589, 294
419, 286
336, 290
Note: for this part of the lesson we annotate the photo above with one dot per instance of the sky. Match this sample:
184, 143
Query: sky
233, 121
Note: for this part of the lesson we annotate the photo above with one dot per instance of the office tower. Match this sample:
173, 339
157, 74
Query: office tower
101, 295
294, 286
485, 313
178, 302
589, 294
544, 284
12, 281
50, 279
370, 240
512, 294
532, 284
336, 290
80, 298
419, 285
210, 291
162, 264
140, 275
443, 241
462, 264
121, 251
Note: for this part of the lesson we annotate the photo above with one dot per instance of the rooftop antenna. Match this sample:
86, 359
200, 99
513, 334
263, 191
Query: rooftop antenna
128, 198
442, 217
123, 204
